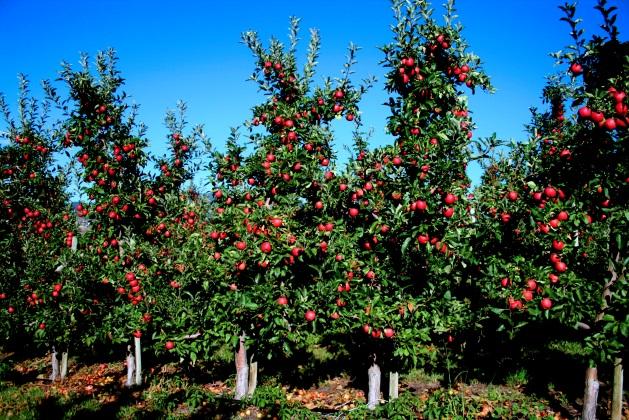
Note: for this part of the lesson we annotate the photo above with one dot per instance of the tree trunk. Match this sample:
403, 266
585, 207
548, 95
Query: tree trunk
138, 361
130, 367
253, 378
64, 365
394, 379
55, 365
242, 369
591, 394
617, 394
373, 396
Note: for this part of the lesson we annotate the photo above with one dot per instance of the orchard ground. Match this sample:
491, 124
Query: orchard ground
528, 384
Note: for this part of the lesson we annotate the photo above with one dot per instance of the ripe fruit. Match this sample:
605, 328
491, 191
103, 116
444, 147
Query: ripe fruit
505, 282
558, 245
449, 199
515, 304
550, 192
169, 345
388, 332
512, 195
546, 304
266, 247
585, 112
576, 69
353, 212
610, 124
448, 212
531, 284
310, 315
560, 266
527, 295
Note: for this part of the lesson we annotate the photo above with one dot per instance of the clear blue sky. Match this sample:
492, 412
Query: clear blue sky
192, 51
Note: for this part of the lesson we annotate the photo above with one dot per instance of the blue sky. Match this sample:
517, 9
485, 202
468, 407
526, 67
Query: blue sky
191, 51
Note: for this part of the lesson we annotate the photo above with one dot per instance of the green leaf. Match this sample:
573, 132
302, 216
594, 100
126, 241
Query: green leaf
405, 245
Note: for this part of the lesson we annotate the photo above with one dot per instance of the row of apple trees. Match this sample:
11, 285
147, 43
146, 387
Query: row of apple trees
390, 252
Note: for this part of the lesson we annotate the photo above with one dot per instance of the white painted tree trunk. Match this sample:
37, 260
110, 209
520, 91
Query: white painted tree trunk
138, 361
242, 369
55, 365
617, 394
373, 396
253, 378
64, 365
394, 379
590, 396
130, 367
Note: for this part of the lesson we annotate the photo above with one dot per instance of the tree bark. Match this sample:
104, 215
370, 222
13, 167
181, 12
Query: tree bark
138, 361
130, 367
55, 365
253, 378
617, 393
591, 394
394, 379
373, 396
64, 365
242, 369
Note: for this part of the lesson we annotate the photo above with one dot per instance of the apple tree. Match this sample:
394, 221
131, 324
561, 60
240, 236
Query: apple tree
407, 203
270, 199
553, 212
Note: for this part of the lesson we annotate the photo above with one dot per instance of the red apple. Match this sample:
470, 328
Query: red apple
558, 245
449, 199
550, 192
585, 112
266, 247
421, 205
531, 284
310, 315
576, 69
546, 304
